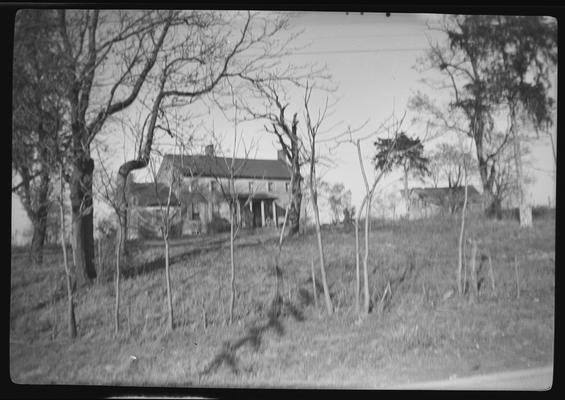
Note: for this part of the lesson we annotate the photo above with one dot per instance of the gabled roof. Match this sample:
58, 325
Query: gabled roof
219, 167
442, 194
146, 194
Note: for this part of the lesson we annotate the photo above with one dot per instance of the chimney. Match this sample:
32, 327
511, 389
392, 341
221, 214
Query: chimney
281, 156
209, 150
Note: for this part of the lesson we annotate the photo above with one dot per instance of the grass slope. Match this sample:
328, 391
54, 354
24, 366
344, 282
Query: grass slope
422, 332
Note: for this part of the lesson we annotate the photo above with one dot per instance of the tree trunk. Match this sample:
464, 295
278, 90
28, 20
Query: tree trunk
491, 202
525, 210
70, 302
366, 303
232, 260
357, 256
461, 239
124, 232
494, 206
296, 182
100, 265
474, 279
168, 281
367, 201
117, 288
82, 211
553, 150
327, 298
314, 291
38, 215
38, 239
121, 195
357, 277
296, 201
406, 194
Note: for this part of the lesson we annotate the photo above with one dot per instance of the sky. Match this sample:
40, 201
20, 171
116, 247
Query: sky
372, 59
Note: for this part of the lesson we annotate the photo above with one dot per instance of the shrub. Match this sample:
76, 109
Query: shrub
538, 212
218, 225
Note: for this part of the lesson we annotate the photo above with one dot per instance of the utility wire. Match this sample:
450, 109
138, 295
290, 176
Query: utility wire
385, 35
367, 51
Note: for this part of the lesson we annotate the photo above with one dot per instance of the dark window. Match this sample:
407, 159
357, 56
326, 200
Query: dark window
213, 186
195, 211
287, 186
270, 186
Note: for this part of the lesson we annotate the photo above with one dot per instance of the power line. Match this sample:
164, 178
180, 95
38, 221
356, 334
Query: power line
418, 34
368, 51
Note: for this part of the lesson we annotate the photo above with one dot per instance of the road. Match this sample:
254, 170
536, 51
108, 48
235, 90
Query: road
526, 379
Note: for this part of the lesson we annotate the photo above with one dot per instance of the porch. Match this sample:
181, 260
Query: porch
257, 210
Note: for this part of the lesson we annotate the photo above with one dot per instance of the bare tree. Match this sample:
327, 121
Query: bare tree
460, 287
339, 200
209, 58
369, 192
232, 196
165, 221
271, 91
389, 154
288, 137
313, 128
507, 186
365, 204
447, 165
70, 300
107, 193
91, 43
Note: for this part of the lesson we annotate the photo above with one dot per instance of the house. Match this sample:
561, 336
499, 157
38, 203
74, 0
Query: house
262, 189
428, 202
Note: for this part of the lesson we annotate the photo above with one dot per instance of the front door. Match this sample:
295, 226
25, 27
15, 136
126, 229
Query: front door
256, 211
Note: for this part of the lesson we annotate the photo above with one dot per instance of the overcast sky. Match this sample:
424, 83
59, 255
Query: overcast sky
372, 59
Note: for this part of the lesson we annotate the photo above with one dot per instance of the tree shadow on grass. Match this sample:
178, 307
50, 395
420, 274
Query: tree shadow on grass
137, 269
253, 336
134, 270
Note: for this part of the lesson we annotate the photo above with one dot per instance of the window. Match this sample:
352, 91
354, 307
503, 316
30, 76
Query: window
213, 186
192, 186
270, 186
251, 186
194, 212
287, 186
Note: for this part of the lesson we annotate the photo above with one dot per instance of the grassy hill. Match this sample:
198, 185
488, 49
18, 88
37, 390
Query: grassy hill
424, 330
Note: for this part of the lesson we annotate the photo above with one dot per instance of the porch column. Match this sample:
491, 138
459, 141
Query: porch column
262, 213
275, 213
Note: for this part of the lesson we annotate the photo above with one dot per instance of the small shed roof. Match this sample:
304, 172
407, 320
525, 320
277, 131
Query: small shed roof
440, 195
